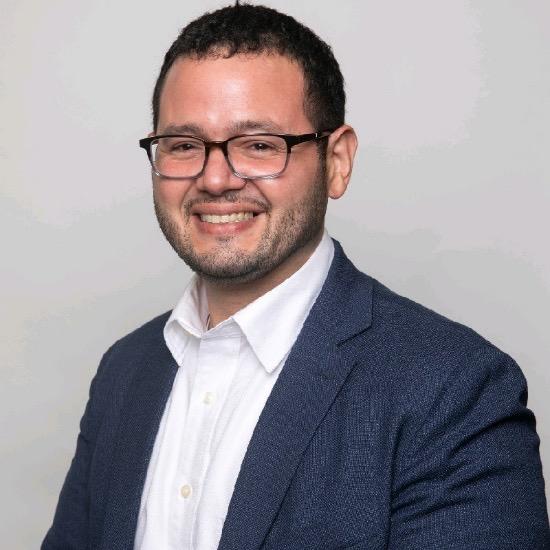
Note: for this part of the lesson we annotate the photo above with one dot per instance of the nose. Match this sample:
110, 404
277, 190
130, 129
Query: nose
217, 176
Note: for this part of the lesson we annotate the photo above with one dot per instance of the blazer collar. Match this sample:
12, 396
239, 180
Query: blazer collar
314, 372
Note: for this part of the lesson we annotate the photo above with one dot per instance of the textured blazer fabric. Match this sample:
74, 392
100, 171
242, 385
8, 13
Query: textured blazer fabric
389, 427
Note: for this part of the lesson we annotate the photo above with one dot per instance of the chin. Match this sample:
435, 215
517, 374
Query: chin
240, 267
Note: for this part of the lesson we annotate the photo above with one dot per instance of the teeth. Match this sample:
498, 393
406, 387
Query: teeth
226, 218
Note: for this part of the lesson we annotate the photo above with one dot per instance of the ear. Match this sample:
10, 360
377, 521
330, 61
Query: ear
341, 148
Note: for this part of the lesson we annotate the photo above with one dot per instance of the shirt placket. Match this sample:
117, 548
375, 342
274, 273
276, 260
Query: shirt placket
217, 360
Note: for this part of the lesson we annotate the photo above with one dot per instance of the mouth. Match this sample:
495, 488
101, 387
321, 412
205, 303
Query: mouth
222, 220
235, 217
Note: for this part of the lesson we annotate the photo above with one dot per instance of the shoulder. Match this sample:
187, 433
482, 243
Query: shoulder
422, 355
401, 344
397, 325
141, 339
414, 326
128, 354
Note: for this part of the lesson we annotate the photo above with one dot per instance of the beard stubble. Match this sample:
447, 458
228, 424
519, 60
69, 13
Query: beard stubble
226, 265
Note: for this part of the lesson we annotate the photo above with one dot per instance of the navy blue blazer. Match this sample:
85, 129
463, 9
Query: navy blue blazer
389, 427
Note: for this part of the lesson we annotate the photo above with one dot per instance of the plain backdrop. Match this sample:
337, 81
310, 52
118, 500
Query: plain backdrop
449, 202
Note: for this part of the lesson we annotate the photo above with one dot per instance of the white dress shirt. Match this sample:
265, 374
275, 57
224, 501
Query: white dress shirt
224, 378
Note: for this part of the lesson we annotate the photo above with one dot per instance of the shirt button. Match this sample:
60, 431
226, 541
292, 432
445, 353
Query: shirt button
208, 398
185, 491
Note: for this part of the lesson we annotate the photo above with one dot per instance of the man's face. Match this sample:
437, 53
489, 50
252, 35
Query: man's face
217, 98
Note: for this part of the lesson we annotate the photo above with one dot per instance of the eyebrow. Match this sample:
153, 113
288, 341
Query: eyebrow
265, 125
183, 129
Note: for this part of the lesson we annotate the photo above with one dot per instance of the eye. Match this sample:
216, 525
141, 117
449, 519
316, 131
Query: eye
184, 146
260, 146
181, 146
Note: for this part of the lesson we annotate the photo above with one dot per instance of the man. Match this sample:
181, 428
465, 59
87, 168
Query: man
288, 401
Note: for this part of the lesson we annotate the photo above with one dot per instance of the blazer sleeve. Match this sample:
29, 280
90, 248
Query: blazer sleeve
472, 476
70, 528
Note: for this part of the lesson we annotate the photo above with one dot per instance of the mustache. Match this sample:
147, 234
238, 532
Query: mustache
227, 197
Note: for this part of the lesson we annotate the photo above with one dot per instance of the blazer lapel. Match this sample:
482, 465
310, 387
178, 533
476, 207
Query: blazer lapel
140, 419
315, 370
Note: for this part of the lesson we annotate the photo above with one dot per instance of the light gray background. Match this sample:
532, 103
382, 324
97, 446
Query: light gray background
449, 201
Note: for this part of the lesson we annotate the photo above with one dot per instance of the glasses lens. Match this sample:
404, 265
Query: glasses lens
257, 156
178, 157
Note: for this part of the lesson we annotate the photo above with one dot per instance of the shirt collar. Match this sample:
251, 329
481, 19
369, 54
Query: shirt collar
271, 323
187, 320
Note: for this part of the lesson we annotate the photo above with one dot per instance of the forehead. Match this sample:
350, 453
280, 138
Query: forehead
215, 92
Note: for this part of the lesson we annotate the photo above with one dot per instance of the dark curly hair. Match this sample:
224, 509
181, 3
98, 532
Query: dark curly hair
246, 28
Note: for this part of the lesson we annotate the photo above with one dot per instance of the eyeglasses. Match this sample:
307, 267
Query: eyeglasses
249, 156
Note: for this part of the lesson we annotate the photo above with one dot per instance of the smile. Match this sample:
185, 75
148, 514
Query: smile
227, 218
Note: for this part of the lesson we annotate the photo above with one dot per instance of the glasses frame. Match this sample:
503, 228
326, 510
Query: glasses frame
290, 139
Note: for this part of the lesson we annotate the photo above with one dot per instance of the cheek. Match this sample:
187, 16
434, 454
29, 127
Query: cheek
295, 187
170, 194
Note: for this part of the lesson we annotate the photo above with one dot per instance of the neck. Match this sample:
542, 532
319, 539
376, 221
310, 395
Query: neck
226, 299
